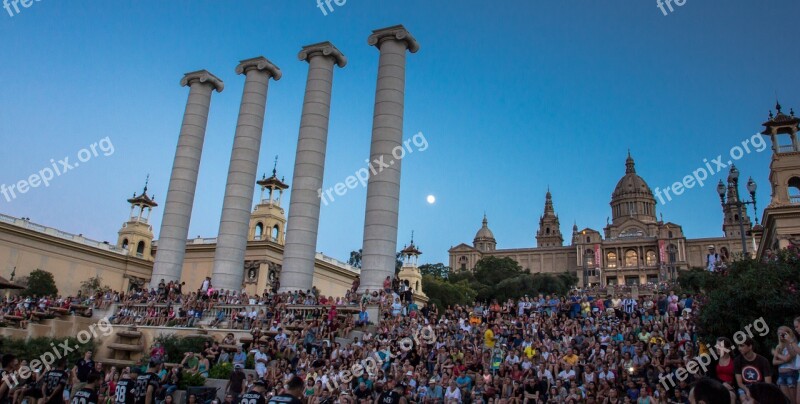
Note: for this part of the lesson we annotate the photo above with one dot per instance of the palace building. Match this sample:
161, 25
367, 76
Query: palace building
637, 247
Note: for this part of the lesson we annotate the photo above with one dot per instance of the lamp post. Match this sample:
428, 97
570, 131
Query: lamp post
733, 181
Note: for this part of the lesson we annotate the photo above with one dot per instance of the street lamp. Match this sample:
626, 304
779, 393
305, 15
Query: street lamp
733, 181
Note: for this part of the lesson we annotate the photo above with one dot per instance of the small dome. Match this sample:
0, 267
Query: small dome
631, 183
484, 233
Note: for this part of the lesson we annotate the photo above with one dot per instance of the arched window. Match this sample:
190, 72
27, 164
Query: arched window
672, 250
140, 248
588, 239
588, 258
669, 234
547, 231
462, 261
794, 190
125, 243
631, 258
259, 233
275, 231
611, 260
650, 258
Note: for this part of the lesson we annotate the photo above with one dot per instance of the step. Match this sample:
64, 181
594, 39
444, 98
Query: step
129, 333
116, 346
119, 363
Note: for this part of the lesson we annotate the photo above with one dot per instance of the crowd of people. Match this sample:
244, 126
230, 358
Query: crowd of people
582, 348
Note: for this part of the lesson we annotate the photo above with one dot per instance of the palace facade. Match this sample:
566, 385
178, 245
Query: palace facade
637, 247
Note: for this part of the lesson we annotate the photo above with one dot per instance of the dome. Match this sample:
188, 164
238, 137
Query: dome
631, 183
484, 233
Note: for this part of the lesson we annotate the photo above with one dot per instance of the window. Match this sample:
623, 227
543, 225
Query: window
140, 248
588, 258
794, 190
259, 233
673, 253
125, 243
631, 258
547, 230
611, 260
650, 258
588, 239
275, 232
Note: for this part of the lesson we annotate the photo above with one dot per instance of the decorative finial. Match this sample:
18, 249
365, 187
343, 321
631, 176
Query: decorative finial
770, 114
412, 236
778, 106
146, 181
275, 167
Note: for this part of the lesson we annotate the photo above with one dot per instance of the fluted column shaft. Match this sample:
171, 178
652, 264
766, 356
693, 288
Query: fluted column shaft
228, 272
383, 189
183, 180
299, 252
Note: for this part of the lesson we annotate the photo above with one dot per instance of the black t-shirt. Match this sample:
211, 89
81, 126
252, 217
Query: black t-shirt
236, 381
362, 394
142, 383
85, 396
252, 397
752, 371
55, 380
84, 368
389, 397
284, 399
125, 392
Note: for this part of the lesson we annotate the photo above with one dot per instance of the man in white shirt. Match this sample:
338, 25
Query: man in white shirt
261, 360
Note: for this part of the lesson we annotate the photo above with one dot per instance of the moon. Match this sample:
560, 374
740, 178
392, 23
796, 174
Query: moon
431, 199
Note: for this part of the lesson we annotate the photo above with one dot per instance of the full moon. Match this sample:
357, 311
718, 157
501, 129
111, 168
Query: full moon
431, 199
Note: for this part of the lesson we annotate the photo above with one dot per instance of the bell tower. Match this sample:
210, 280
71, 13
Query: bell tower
136, 235
549, 234
781, 219
268, 220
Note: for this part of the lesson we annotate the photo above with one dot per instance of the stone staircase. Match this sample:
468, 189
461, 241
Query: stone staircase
127, 349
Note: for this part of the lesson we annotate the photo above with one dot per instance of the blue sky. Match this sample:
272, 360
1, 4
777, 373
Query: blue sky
511, 96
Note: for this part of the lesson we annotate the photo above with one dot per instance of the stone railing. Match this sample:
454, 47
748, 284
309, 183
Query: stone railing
27, 224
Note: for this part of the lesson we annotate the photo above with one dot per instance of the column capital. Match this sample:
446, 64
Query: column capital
260, 63
203, 76
325, 49
396, 32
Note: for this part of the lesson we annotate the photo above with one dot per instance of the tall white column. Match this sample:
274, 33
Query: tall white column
383, 189
183, 181
228, 271
309, 167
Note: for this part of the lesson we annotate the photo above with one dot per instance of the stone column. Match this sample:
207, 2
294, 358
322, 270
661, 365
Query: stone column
383, 188
309, 167
228, 271
183, 180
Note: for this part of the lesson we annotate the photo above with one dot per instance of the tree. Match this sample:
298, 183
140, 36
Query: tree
41, 283
443, 293
355, 258
436, 270
93, 285
750, 290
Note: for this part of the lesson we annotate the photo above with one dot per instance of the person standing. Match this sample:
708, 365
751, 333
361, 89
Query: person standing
147, 384
237, 383
126, 388
255, 395
55, 380
292, 394
88, 394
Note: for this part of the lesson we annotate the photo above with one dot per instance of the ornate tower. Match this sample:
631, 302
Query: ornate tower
549, 234
781, 219
484, 240
730, 224
136, 235
410, 272
268, 220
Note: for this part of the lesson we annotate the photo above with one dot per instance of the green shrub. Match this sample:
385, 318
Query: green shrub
175, 348
35, 347
191, 380
221, 371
